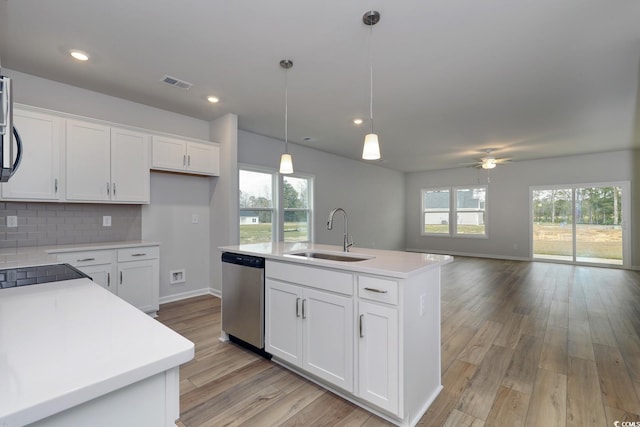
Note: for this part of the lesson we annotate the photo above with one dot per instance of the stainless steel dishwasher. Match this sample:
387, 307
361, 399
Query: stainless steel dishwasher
243, 299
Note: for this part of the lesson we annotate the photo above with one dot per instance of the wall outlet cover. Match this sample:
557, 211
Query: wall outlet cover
106, 221
12, 221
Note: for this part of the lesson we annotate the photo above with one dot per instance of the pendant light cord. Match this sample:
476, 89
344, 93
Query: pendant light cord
371, 76
286, 113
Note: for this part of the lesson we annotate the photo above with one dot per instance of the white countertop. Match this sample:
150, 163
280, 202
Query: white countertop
64, 343
41, 255
383, 262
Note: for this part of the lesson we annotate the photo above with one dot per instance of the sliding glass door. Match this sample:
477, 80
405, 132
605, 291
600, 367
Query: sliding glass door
581, 223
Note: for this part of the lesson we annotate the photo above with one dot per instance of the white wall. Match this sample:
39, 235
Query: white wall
508, 200
372, 196
224, 205
39, 92
175, 198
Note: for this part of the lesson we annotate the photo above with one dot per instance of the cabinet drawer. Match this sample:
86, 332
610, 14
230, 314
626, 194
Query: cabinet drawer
378, 289
78, 259
138, 253
328, 280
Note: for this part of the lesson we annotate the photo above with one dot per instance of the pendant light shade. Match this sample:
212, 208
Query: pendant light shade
371, 149
286, 161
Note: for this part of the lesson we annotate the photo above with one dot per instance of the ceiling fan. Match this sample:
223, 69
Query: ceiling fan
489, 161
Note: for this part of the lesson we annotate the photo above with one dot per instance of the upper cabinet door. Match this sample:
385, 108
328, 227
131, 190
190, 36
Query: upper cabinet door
203, 158
169, 153
88, 161
199, 158
38, 176
129, 166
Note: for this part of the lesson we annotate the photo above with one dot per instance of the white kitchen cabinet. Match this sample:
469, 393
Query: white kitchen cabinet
177, 155
105, 164
309, 328
139, 277
132, 273
371, 338
378, 350
38, 176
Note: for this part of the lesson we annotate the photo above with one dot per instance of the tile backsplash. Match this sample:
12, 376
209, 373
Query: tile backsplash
43, 224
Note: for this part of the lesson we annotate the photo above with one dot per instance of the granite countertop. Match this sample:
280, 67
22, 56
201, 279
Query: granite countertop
64, 343
41, 255
397, 264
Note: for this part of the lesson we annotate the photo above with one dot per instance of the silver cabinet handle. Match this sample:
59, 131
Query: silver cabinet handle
55, 185
85, 259
361, 322
108, 280
376, 290
139, 254
121, 277
108, 189
189, 160
304, 314
297, 307
114, 189
184, 160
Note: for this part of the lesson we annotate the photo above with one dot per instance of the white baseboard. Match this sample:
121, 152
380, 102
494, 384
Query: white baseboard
184, 295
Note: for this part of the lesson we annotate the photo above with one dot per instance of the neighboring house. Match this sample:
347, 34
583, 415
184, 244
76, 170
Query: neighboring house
248, 219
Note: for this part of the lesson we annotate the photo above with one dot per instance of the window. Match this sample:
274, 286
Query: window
256, 206
454, 211
296, 203
262, 193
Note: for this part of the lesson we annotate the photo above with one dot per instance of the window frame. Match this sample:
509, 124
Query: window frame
453, 211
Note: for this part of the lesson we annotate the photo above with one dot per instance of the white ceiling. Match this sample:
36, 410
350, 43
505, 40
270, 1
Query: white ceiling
528, 78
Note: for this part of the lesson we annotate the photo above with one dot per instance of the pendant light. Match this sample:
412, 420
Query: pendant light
371, 149
286, 162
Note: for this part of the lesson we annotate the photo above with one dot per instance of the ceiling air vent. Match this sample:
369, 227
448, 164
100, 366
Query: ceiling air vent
172, 81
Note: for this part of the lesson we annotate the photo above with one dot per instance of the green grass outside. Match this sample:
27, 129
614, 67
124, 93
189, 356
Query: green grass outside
261, 233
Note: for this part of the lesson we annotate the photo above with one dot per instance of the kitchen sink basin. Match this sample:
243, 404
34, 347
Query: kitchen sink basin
331, 256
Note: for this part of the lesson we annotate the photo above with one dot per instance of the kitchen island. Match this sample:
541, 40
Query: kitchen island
363, 324
72, 353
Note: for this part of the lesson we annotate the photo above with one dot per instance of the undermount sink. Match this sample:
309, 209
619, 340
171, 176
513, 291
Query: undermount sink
331, 256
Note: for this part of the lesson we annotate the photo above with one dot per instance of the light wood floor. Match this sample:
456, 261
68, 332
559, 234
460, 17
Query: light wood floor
531, 344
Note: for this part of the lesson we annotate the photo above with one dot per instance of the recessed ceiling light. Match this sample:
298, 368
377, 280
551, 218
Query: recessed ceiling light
79, 55
213, 99
357, 121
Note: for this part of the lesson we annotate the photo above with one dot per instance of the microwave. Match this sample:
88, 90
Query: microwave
9, 136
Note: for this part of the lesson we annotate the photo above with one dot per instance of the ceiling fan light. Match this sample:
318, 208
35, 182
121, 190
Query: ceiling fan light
286, 163
371, 149
488, 164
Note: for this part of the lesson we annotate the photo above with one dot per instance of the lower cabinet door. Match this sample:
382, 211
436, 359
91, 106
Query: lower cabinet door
102, 275
283, 326
378, 355
136, 281
328, 337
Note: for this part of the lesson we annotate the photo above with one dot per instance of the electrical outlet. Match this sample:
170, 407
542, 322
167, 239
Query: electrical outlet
195, 218
12, 221
106, 221
423, 298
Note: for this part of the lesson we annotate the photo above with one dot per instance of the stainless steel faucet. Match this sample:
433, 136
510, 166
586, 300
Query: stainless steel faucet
347, 240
